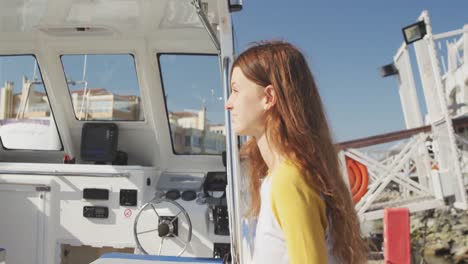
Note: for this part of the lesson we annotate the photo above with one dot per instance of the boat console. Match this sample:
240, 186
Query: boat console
183, 200
132, 208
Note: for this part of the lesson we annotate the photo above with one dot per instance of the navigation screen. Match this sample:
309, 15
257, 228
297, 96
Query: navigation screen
99, 142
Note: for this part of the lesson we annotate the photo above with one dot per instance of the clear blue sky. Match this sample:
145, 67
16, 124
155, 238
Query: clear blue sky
346, 42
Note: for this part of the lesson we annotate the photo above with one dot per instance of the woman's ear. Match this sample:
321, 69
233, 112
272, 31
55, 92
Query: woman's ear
270, 97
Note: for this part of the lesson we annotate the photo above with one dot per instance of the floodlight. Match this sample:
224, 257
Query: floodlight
414, 32
388, 70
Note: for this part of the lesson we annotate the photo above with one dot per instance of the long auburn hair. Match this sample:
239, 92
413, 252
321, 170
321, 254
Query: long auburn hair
297, 128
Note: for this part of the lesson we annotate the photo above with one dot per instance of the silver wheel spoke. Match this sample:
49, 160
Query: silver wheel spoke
182, 251
154, 209
176, 217
147, 231
160, 246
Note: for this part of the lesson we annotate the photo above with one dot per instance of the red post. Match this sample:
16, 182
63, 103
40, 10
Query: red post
397, 242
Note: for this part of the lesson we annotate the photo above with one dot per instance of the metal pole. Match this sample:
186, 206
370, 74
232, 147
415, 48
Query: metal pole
460, 194
206, 23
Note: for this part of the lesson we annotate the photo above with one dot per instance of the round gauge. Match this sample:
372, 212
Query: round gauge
173, 194
215, 185
215, 194
189, 195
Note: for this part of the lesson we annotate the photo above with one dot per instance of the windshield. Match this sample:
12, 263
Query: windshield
194, 103
26, 120
103, 87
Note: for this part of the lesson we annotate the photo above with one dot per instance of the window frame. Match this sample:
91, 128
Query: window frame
50, 107
158, 56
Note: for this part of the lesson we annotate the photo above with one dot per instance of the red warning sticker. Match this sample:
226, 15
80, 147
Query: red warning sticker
128, 213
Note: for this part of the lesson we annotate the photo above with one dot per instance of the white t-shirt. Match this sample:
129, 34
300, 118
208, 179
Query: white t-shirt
289, 206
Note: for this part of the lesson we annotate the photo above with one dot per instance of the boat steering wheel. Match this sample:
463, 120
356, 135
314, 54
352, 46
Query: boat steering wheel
167, 226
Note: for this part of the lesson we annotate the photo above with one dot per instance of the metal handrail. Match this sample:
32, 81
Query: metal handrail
394, 136
206, 23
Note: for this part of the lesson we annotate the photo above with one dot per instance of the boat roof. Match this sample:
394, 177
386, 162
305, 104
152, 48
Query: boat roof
172, 23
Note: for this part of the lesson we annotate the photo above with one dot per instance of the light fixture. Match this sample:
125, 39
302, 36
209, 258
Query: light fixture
414, 32
388, 70
235, 5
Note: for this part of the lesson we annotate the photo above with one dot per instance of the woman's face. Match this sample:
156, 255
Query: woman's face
247, 105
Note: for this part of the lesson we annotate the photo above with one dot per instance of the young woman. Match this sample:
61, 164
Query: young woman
304, 209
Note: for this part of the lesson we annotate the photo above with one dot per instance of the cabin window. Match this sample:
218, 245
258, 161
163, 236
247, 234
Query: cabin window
103, 87
26, 120
194, 102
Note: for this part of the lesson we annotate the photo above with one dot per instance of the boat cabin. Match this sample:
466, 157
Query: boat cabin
112, 129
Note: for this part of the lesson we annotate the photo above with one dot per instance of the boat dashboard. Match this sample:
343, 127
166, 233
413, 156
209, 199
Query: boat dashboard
108, 203
201, 189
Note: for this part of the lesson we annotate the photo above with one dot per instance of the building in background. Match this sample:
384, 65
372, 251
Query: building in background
94, 104
100, 104
191, 133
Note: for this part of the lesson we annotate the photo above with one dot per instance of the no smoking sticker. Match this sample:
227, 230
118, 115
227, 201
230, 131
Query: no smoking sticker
127, 213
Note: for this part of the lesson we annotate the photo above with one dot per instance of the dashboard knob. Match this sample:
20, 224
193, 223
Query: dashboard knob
173, 194
189, 195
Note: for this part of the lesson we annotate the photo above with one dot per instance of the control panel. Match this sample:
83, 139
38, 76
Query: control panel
207, 188
95, 194
128, 197
95, 212
221, 250
221, 220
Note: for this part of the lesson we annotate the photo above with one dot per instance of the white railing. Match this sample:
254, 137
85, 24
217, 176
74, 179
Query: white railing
410, 166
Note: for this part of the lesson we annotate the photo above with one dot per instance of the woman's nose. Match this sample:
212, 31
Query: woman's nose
228, 105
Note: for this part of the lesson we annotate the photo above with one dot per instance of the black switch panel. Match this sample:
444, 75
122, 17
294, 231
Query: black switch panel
95, 212
128, 197
221, 250
95, 194
221, 220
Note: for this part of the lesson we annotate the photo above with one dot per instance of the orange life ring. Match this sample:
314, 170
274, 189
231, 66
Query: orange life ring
358, 178
357, 175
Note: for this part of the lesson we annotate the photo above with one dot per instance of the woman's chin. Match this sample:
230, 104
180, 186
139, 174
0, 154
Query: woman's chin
237, 130
240, 132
